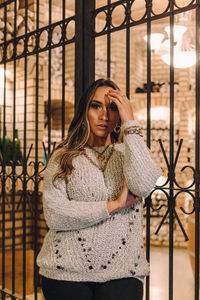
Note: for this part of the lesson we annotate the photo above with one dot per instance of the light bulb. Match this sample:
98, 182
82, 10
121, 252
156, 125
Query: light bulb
156, 40
179, 30
182, 59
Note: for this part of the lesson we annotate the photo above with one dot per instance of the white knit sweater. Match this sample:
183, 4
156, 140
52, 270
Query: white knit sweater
84, 242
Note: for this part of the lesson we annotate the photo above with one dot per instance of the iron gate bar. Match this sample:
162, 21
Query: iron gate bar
141, 21
36, 33
63, 74
171, 174
14, 163
127, 17
197, 152
35, 206
84, 47
178, 153
49, 83
79, 57
88, 44
108, 39
4, 4
65, 22
3, 166
24, 156
171, 203
148, 199
175, 215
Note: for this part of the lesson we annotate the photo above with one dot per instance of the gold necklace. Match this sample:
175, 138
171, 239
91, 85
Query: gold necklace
100, 156
103, 167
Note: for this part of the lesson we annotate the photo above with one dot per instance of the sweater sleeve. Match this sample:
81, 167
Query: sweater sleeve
139, 169
64, 214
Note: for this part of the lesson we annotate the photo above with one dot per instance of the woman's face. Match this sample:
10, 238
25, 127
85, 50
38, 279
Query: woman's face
103, 116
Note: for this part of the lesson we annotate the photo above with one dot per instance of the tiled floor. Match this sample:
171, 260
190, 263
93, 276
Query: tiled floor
183, 277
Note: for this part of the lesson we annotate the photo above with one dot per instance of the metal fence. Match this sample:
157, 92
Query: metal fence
22, 224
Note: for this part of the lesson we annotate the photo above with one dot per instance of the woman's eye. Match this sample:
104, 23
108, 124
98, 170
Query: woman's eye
94, 105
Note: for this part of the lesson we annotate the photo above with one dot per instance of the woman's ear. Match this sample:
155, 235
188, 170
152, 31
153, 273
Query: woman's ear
117, 127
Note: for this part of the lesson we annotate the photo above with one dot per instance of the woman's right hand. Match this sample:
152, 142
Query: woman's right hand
125, 200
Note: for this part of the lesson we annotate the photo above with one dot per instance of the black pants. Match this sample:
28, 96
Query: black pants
119, 289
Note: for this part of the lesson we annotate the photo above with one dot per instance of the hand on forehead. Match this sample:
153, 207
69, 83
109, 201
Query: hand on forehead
107, 100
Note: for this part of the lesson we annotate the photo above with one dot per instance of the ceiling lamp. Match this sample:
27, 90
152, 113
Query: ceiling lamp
156, 40
183, 37
182, 59
184, 55
157, 113
179, 30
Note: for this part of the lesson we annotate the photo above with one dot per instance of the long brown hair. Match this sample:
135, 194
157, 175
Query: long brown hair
79, 131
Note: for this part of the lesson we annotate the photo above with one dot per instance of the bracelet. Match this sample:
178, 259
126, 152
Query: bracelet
136, 130
131, 127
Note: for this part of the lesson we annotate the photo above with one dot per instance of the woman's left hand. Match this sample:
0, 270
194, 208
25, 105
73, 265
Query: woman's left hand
123, 104
132, 198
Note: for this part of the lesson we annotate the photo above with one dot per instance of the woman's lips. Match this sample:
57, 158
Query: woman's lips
102, 127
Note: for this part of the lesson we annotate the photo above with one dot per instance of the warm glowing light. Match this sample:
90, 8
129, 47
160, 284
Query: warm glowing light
166, 46
156, 40
157, 113
179, 30
2, 74
191, 126
140, 117
161, 180
182, 59
184, 56
2, 83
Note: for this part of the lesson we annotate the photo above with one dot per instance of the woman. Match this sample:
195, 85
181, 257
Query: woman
93, 186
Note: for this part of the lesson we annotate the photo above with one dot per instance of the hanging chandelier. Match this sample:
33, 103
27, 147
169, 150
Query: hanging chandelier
182, 59
184, 53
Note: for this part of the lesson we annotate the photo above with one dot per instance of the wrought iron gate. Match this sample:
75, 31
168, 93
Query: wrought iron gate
22, 95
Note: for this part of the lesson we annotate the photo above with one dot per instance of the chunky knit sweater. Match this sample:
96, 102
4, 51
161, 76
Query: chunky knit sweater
84, 241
